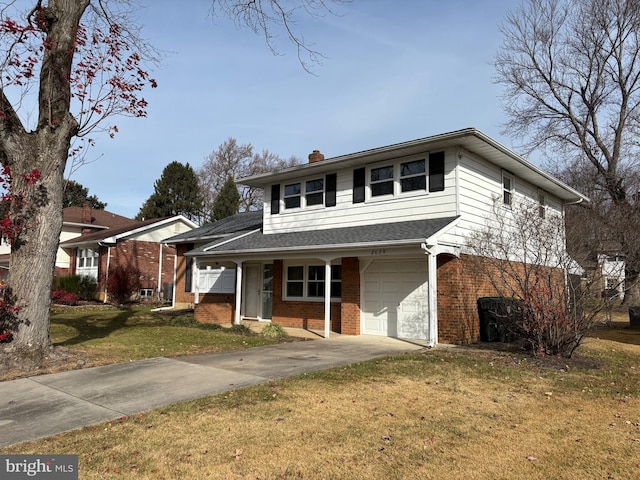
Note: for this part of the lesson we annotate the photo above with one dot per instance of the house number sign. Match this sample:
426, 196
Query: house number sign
379, 252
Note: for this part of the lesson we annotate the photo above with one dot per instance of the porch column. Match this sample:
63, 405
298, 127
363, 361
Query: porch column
195, 279
236, 318
432, 267
327, 298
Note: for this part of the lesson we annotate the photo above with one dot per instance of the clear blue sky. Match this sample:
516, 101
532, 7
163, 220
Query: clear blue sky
395, 71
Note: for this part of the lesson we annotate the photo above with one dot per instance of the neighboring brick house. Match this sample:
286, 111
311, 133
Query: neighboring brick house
76, 221
385, 228
129, 243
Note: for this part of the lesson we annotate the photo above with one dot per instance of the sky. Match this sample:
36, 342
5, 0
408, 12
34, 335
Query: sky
394, 71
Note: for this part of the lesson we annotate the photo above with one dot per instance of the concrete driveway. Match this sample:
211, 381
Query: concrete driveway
45, 405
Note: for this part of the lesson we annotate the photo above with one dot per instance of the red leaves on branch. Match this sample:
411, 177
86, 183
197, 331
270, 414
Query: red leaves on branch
14, 204
107, 78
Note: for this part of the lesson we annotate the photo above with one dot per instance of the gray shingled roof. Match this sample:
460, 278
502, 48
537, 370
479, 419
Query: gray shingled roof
241, 222
380, 234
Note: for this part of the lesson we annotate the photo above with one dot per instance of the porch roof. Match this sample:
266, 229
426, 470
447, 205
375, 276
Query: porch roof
386, 234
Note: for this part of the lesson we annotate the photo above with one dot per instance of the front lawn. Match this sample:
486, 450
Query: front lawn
98, 335
447, 413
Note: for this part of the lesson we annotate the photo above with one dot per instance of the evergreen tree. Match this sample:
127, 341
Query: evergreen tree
75, 195
176, 192
227, 202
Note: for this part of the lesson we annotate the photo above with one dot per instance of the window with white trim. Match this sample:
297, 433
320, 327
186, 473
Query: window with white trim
542, 205
314, 192
381, 181
307, 282
292, 195
507, 189
87, 258
413, 176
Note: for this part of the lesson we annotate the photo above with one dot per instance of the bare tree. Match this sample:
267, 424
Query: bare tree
233, 160
264, 17
521, 252
571, 70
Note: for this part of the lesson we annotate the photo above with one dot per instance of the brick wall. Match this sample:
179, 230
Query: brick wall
460, 285
183, 299
308, 315
350, 307
215, 308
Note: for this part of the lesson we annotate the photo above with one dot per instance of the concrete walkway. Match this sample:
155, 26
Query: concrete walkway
45, 405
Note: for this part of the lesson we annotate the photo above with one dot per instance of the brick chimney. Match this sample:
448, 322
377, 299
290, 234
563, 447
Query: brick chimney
86, 218
315, 156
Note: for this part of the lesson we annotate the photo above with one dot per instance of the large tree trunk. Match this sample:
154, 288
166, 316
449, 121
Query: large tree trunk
36, 206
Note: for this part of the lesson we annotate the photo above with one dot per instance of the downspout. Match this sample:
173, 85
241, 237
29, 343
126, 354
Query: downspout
106, 275
175, 279
158, 290
432, 294
236, 317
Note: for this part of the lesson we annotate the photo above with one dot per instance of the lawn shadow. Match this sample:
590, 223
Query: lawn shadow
95, 325
621, 332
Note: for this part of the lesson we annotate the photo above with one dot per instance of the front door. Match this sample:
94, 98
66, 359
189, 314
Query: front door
258, 290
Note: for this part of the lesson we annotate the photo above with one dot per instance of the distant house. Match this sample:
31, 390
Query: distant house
368, 243
93, 241
605, 270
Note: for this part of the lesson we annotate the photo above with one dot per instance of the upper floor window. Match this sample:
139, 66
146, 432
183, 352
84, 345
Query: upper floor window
292, 195
381, 181
314, 192
413, 176
318, 191
507, 189
542, 205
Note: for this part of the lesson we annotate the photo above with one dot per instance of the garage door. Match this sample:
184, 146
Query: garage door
395, 301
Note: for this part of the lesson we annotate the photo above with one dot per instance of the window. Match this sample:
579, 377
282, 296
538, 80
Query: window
507, 189
87, 258
314, 192
381, 181
308, 282
295, 281
413, 176
542, 205
292, 195
146, 293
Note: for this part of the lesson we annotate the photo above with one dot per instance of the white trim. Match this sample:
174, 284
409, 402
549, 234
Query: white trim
229, 240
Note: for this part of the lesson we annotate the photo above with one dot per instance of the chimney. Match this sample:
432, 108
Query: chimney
86, 213
316, 156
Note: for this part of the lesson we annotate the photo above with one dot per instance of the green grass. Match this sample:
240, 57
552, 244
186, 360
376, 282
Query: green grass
92, 336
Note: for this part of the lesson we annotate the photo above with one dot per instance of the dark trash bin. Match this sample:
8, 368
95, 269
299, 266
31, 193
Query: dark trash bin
634, 316
496, 316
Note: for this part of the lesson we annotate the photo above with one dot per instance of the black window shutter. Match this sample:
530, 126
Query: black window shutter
275, 199
330, 191
189, 270
358, 185
436, 172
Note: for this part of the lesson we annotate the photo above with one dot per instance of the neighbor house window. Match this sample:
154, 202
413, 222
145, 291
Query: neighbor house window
413, 176
87, 258
292, 195
314, 192
381, 181
308, 282
146, 293
507, 189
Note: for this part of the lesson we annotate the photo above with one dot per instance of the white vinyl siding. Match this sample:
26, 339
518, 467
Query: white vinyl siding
412, 205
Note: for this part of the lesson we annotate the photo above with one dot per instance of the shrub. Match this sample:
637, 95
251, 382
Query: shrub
62, 297
122, 283
273, 330
82, 285
241, 329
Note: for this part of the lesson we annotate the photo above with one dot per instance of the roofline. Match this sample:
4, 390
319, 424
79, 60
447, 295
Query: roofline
114, 238
306, 248
383, 153
75, 224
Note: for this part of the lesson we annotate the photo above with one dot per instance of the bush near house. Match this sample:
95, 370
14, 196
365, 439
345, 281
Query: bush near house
82, 285
122, 283
62, 297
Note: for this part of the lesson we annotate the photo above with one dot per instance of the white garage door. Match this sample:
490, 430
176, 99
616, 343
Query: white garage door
395, 298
